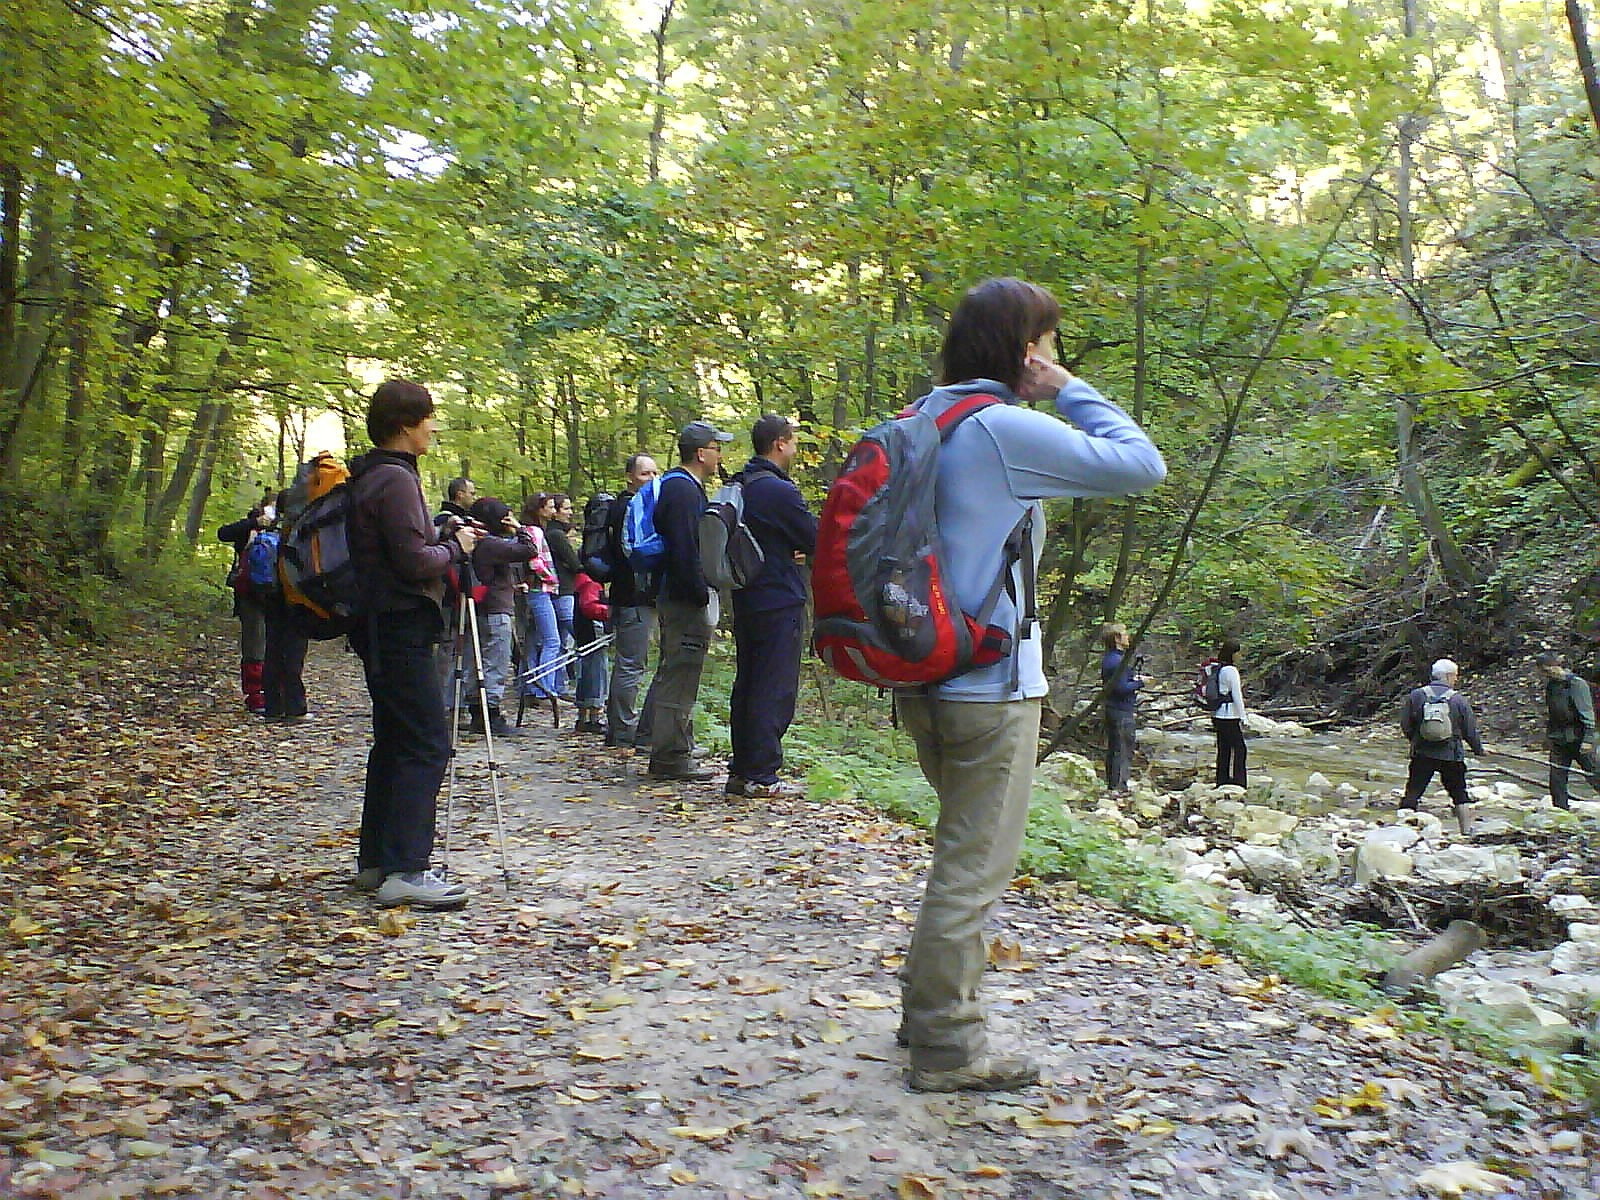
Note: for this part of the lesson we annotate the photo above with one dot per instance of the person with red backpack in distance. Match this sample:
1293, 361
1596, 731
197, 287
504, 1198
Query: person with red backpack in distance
246, 606
977, 734
1227, 719
1436, 720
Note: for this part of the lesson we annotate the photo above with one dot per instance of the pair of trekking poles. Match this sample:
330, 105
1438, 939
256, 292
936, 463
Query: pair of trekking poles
539, 671
466, 632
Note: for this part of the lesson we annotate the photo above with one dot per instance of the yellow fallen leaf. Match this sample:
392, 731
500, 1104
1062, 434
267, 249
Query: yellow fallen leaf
919, 1187
1369, 1099
682, 1175
866, 999
822, 1189
393, 922
701, 1133
984, 1171
506, 1177
833, 1033
24, 926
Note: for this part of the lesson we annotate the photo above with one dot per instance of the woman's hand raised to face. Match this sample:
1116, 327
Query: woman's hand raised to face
1041, 378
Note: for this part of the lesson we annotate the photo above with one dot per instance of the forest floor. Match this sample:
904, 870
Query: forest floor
679, 994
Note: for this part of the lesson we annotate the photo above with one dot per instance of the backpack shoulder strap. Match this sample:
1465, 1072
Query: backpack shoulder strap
961, 410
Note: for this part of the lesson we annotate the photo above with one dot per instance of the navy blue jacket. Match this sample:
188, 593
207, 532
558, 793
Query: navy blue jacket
679, 506
776, 513
1124, 695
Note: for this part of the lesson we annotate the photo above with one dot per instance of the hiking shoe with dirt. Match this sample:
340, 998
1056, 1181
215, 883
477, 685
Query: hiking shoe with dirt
421, 889
991, 1073
780, 789
368, 879
500, 727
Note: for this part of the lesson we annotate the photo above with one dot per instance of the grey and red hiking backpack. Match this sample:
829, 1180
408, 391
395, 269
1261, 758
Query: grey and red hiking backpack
884, 611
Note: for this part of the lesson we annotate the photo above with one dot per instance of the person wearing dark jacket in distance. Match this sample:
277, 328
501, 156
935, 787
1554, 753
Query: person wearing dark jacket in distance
1569, 725
283, 685
632, 617
459, 495
769, 614
506, 544
1122, 702
682, 603
252, 621
1431, 752
402, 562
977, 735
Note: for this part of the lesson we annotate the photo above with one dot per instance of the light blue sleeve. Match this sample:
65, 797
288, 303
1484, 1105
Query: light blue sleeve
1100, 453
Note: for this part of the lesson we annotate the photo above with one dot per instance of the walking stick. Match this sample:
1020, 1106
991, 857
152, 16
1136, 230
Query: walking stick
468, 617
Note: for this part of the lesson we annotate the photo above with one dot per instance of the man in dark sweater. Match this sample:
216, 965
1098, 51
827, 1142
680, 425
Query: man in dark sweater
1569, 726
1437, 719
769, 614
632, 618
402, 562
506, 543
682, 603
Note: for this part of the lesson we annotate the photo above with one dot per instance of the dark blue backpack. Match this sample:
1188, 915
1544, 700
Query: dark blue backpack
261, 561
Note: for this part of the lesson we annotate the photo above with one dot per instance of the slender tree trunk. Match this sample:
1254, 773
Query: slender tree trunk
1459, 571
658, 106
1581, 47
74, 429
574, 424
194, 519
10, 265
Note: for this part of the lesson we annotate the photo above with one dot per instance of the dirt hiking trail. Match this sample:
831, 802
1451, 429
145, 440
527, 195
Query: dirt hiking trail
680, 995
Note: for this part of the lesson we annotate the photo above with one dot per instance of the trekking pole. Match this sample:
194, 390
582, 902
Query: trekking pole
566, 658
483, 712
457, 650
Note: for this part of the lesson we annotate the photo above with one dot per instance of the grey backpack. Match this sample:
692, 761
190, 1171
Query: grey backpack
1436, 725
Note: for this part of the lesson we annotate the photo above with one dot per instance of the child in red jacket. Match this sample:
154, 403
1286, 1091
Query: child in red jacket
593, 669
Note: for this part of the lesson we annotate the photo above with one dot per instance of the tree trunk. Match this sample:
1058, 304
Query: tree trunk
1581, 47
195, 518
10, 263
658, 106
74, 426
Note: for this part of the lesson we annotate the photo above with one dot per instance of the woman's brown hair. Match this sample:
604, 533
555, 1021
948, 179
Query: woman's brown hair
990, 330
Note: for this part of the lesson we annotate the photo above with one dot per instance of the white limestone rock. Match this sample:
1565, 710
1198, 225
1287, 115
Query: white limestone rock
1572, 906
1268, 824
1574, 996
1508, 1006
1348, 790
1576, 958
1318, 782
1470, 864
1380, 860
1265, 865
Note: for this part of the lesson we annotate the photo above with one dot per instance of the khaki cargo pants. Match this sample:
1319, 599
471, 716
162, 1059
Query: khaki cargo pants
979, 759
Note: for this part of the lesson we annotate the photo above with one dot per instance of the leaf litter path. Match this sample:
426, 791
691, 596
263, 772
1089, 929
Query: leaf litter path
681, 995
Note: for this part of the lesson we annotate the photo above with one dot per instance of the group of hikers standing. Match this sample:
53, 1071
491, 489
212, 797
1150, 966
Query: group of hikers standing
976, 734
1437, 721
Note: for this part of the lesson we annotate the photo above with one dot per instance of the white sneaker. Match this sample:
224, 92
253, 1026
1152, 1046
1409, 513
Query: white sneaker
421, 889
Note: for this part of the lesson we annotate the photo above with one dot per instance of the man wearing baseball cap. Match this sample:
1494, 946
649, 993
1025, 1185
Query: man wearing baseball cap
682, 600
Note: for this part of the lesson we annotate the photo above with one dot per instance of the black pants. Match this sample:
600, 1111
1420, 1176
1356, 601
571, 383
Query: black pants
1120, 740
1562, 755
283, 669
1420, 771
766, 683
1231, 752
410, 739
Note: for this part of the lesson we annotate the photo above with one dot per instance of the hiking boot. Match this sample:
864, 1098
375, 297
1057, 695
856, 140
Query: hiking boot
991, 1073
1464, 819
421, 889
475, 726
734, 787
780, 789
500, 727
683, 773
368, 879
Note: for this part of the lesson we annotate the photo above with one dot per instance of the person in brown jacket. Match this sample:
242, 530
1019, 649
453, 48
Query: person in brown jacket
403, 558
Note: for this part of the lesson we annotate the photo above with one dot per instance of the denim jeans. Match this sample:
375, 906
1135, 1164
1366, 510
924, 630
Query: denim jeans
543, 645
593, 670
630, 652
566, 607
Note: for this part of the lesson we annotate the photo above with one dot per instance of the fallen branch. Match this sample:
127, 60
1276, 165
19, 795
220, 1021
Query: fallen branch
1459, 939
